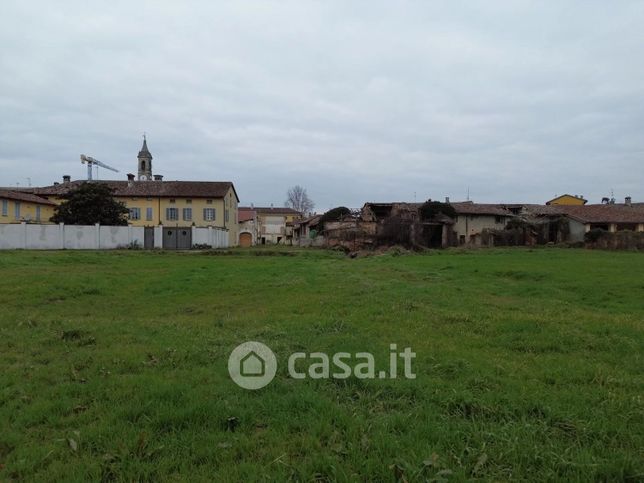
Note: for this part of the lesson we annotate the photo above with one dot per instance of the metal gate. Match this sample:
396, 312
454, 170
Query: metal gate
177, 238
148, 238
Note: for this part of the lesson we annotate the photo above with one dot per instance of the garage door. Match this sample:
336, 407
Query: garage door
177, 238
245, 239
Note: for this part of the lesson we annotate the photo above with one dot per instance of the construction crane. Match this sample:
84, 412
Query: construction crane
94, 162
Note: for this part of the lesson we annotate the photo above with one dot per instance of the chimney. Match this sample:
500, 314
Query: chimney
56, 183
67, 179
447, 199
627, 201
158, 177
130, 179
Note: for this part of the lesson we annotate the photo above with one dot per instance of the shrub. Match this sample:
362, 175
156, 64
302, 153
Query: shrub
431, 209
90, 203
594, 235
133, 245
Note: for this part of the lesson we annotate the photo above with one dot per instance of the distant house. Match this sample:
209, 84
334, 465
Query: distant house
569, 223
247, 226
612, 218
400, 223
275, 225
574, 200
306, 230
16, 207
474, 218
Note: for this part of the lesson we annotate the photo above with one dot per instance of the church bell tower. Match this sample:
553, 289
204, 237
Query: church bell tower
145, 162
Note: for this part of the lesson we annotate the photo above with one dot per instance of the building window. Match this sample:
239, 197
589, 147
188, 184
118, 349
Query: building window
209, 202
187, 214
498, 219
209, 214
17, 210
188, 202
5, 208
172, 214
135, 213
37, 213
148, 214
226, 216
172, 200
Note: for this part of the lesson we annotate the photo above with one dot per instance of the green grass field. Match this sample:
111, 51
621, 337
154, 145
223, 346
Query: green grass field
529, 366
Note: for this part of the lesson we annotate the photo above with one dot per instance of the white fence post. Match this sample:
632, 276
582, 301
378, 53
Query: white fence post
97, 236
61, 235
158, 236
23, 238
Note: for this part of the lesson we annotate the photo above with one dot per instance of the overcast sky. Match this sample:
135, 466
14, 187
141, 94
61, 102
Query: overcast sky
356, 101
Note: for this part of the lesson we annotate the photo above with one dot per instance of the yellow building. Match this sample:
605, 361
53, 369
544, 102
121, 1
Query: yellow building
153, 202
167, 203
575, 200
16, 207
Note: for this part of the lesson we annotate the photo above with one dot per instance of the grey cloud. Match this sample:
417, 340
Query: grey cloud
358, 101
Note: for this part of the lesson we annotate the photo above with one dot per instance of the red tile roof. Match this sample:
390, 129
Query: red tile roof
612, 213
603, 213
163, 189
469, 208
311, 220
26, 197
245, 214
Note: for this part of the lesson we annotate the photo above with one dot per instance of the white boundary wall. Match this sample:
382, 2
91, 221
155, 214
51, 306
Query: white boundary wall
214, 237
75, 237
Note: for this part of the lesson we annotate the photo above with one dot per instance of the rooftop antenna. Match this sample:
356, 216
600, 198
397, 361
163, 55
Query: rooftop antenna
28, 182
468, 193
414, 197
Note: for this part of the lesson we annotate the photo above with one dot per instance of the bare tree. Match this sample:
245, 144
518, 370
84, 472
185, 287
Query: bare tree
297, 199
